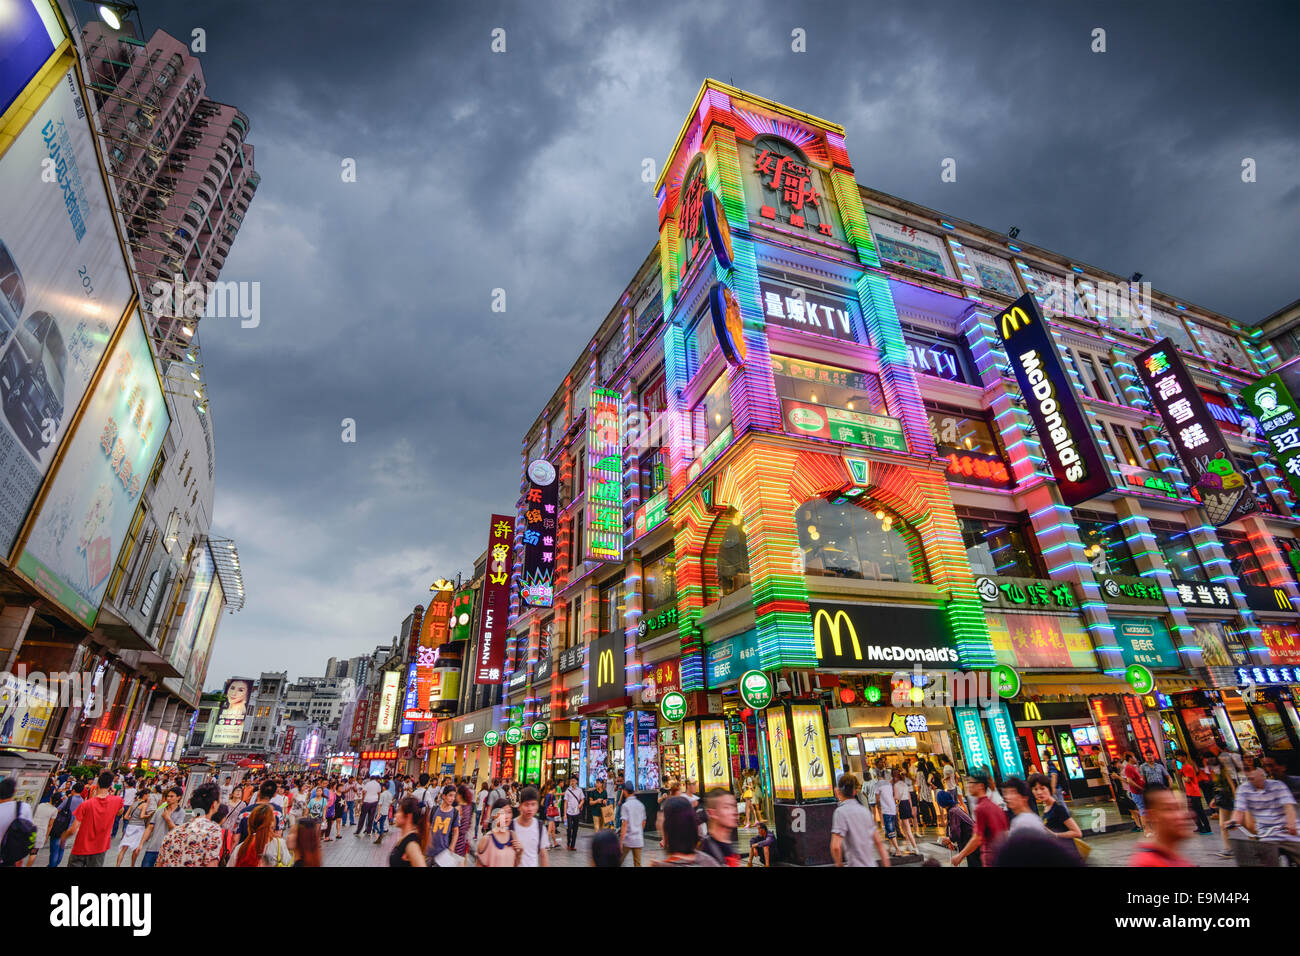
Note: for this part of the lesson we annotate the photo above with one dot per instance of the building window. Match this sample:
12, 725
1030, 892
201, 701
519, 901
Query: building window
1128, 448
713, 414
1251, 471
660, 574
1179, 552
855, 541
610, 356
942, 356
998, 547
1112, 381
726, 558
967, 441
1106, 547
1245, 565
613, 604
800, 381
1091, 378
653, 471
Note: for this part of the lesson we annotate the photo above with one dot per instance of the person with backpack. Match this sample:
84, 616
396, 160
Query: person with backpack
1134, 788
136, 817
574, 798
43, 817
17, 828
92, 824
63, 820
527, 830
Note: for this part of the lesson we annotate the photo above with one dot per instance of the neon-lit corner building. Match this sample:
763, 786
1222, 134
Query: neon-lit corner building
829, 436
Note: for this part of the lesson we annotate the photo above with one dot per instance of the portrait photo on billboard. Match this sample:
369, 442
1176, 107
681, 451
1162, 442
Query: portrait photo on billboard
63, 288
230, 719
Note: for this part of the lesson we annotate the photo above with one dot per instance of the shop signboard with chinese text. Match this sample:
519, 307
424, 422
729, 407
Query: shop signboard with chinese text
541, 500
655, 624
729, 658
715, 770
932, 356
782, 761
1222, 490
841, 424
972, 738
651, 514
1283, 643
1003, 735
1123, 589
462, 614
808, 736
691, 752
1141, 727
658, 679
604, 518
793, 307
1063, 432
1145, 641
784, 189
1041, 641
490, 660
1026, 593
1200, 594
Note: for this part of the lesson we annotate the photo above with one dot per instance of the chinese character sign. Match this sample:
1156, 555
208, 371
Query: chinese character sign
87, 513
794, 307
690, 217
809, 739
716, 769
541, 500
1272, 406
1222, 490
790, 189
692, 755
489, 661
604, 476
778, 747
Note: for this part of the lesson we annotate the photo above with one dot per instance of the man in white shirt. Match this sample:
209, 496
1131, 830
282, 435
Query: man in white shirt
527, 831
632, 831
381, 814
574, 798
369, 806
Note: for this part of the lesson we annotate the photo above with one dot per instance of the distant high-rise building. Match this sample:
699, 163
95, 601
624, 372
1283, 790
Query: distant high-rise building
183, 172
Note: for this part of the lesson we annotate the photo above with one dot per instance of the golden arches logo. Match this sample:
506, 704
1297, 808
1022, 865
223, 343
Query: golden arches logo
1283, 602
1013, 318
604, 667
1032, 712
836, 642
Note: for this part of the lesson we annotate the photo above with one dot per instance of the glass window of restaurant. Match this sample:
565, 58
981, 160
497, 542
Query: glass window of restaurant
660, 573
713, 413
1245, 565
861, 541
1106, 546
1000, 546
818, 384
573, 633
727, 556
1179, 551
613, 602
652, 468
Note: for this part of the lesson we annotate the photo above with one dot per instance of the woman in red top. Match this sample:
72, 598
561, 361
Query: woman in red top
1192, 784
1170, 824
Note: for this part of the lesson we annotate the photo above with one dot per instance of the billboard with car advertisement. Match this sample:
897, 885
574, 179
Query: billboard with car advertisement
64, 286
88, 508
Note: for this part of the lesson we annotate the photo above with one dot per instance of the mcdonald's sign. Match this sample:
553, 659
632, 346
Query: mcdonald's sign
1032, 712
1063, 431
1265, 598
606, 677
880, 637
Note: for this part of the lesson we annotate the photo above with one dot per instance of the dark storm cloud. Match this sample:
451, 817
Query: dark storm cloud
523, 171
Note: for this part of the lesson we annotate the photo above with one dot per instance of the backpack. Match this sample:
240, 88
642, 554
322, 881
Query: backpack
63, 819
19, 839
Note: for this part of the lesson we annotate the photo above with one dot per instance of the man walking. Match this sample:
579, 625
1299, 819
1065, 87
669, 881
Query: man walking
990, 824
369, 806
92, 824
855, 840
573, 802
631, 835
1272, 821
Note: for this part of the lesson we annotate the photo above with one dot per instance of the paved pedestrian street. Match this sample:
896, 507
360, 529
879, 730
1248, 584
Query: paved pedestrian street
1111, 848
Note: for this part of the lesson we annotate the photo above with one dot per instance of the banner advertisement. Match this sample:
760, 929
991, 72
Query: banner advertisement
1222, 490
25, 710
778, 745
63, 287
808, 733
433, 634
908, 247
87, 512
387, 703
692, 752
197, 671
604, 524
492, 632
1040, 641
178, 654
229, 727
607, 678
1273, 407
1063, 431
717, 761
991, 272
462, 613
541, 501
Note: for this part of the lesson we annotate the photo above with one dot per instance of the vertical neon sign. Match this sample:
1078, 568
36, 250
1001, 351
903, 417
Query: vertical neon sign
604, 475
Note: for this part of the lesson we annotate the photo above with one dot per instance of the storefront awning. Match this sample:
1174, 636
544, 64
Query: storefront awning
1066, 685
1178, 685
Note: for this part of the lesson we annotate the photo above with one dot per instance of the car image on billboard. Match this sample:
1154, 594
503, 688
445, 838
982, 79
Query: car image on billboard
13, 294
31, 381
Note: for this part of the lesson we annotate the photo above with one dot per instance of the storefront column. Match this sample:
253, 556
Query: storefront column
634, 588
1276, 567
1062, 551
15, 619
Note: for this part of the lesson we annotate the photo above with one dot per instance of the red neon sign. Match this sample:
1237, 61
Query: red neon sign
102, 737
981, 469
379, 755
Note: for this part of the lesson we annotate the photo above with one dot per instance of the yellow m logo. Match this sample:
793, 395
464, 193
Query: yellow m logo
1012, 319
1283, 602
833, 624
1032, 712
605, 666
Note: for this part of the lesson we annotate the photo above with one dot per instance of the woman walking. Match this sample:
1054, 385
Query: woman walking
551, 812
496, 846
412, 823
261, 847
1223, 797
306, 843
903, 797
136, 818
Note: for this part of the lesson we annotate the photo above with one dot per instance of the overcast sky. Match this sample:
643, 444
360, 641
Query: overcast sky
522, 171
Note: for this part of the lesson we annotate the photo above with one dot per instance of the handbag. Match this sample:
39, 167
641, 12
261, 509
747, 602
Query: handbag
607, 813
552, 811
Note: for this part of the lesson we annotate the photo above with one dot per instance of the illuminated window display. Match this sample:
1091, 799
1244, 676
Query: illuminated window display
998, 548
852, 541
1106, 547
730, 553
